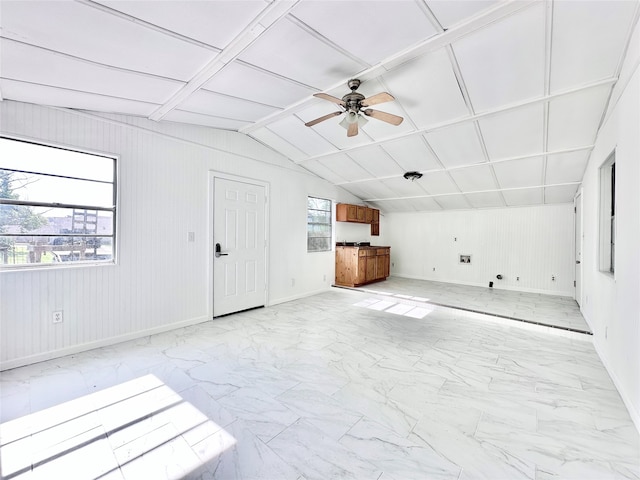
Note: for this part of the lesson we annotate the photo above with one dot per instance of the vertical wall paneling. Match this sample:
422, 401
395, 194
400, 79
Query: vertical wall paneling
532, 243
160, 280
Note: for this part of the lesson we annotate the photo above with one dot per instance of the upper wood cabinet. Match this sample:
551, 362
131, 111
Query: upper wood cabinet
346, 212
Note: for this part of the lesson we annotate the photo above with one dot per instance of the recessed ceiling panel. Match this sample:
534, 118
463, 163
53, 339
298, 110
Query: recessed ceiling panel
345, 167
526, 196
403, 187
59, 97
424, 204
457, 145
246, 81
210, 103
452, 202
485, 199
359, 189
449, 13
514, 133
562, 194
370, 31
474, 178
378, 189
379, 130
314, 166
106, 39
42, 67
574, 119
288, 50
503, 63
437, 183
519, 173
393, 206
215, 23
201, 119
588, 40
412, 154
292, 129
277, 143
376, 161
568, 167
427, 89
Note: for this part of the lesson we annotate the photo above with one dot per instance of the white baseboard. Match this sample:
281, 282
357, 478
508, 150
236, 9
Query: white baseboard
635, 415
72, 349
298, 297
495, 285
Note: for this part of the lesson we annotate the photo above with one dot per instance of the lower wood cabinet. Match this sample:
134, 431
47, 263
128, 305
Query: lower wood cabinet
360, 265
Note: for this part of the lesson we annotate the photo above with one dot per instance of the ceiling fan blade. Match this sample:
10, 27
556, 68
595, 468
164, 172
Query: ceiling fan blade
322, 119
377, 98
352, 131
384, 116
331, 98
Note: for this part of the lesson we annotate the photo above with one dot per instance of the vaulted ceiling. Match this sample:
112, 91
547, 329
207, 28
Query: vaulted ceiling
501, 100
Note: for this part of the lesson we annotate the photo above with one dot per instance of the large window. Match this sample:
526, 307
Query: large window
318, 225
57, 206
607, 249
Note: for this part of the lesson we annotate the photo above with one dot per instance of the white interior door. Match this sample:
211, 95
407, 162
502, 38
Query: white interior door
578, 248
239, 269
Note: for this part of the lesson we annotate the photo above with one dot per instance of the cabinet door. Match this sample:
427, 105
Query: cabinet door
375, 213
370, 273
352, 213
381, 260
360, 214
341, 212
375, 229
368, 215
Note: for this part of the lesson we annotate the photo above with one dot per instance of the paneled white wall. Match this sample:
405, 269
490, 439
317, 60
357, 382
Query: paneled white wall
611, 304
532, 243
161, 280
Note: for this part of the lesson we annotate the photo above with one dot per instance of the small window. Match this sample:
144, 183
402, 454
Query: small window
607, 250
319, 232
57, 206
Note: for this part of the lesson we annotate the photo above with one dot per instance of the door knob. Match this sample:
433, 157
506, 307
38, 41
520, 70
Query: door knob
218, 252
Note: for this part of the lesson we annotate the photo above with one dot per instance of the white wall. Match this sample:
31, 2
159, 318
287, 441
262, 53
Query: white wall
161, 280
532, 243
611, 305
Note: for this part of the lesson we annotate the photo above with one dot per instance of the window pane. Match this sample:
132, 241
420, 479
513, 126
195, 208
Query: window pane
41, 188
50, 250
30, 157
319, 224
315, 244
16, 220
318, 203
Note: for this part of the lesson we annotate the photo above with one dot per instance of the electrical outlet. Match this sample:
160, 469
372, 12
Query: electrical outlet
57, 316
434, 269
393, 264
517, 279
553, 278
191, 236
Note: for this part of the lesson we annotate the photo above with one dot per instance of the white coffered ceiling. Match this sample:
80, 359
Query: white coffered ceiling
501, 100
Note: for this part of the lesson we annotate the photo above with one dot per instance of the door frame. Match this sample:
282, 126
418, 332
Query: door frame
578, 236
213, 174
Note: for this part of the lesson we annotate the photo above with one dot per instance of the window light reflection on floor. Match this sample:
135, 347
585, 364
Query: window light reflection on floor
142, 428
406, 308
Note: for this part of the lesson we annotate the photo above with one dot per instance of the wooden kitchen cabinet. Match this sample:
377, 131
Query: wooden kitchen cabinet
346, 212
361, 265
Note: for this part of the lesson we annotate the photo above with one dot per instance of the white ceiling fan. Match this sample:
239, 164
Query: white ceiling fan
355, 103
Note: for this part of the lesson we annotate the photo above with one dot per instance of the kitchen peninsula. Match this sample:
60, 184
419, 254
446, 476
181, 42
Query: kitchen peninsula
359, 264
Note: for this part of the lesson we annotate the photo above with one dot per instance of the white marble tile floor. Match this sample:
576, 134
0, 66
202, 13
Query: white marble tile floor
323, 388
549, 310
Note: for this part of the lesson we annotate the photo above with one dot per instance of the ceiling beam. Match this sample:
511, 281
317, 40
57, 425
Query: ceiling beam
473, 118
487, 17
467, 193
471, 165
269, 16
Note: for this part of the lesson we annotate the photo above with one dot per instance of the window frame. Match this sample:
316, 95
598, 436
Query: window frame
329, 223
85, 207
607, 214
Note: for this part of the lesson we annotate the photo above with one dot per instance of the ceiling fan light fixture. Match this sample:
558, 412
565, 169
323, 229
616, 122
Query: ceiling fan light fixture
353, 117
412, 176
